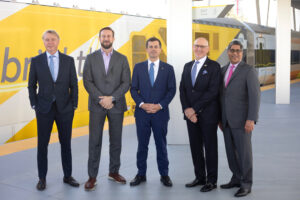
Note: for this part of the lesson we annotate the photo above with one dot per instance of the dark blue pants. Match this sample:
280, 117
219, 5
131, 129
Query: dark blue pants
64, 125
159, 128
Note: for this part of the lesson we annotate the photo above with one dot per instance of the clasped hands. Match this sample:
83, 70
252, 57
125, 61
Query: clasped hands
150, 107
106, 102
191, 114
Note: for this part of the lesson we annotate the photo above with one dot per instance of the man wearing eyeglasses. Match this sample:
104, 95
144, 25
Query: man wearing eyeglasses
240, 99
199, 91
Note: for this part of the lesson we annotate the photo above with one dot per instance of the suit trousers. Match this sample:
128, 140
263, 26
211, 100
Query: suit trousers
115, 122
239, 155
204, 149
64, 126
159, 128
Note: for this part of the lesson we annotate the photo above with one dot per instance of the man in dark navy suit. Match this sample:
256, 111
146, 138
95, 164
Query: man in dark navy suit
199, 90
54, 75
153, 88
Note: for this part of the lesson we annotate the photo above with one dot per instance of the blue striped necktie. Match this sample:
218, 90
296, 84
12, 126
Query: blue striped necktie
194, 72
52, 66
151, 74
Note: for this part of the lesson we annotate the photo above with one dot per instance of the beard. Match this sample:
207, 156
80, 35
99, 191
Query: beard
106, 45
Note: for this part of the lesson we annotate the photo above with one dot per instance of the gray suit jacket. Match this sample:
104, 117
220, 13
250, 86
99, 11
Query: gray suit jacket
241, 99
115, 83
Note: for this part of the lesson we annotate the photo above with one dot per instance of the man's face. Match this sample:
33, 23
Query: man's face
235, 54
153, 49
106, 39
200, 48
51, 42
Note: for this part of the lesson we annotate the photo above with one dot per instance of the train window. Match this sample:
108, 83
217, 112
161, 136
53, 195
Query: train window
199, 34
138, 49
215, 41
163, 34
264, 58
295, 57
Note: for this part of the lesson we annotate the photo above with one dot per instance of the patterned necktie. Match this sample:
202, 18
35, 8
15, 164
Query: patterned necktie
151, 74
52, 66
229, 75
194, 72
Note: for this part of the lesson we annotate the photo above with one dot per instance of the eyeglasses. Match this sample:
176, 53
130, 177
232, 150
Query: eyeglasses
235, 50
200, 46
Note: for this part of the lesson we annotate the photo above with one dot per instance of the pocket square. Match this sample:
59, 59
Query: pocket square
204, 72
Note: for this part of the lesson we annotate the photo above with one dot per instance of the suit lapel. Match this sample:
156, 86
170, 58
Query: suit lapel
146, 73
45, 63
60, 67
100, 60
112, 61
236, 72
204, 67
159, 73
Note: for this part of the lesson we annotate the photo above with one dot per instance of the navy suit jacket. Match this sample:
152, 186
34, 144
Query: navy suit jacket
162, 92
203, 96
64, 90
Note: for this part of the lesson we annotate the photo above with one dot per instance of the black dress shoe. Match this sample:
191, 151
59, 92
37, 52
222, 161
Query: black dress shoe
71, 181
41, 185
242, 192
166, 181
230, 185
137, 180
208, 187
195, 183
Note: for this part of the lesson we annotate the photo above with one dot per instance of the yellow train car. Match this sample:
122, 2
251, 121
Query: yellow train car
22, 26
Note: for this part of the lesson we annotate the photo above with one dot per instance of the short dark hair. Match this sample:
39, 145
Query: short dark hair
107, 28
235, 42
152, 39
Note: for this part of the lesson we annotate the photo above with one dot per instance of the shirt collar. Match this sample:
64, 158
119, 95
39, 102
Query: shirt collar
235, 65
156, 63
103, 52
48, 54
201, 60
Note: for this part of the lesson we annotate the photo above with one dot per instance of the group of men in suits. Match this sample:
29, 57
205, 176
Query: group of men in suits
209, 96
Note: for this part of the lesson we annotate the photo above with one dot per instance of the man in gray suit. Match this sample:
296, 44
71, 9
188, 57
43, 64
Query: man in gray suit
106, 77
240, 99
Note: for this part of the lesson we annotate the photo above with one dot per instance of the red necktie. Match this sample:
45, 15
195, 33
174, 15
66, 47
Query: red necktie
229, 75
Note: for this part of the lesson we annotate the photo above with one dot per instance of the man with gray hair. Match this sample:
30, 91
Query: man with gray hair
53, 94
240, 99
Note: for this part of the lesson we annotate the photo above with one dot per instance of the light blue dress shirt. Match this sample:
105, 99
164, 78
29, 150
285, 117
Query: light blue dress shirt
56, 63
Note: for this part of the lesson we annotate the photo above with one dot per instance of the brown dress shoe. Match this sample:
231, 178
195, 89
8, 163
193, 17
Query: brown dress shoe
90, 184
117, 178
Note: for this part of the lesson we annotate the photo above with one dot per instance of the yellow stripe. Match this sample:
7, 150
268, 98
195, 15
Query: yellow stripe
269, 87
32, 142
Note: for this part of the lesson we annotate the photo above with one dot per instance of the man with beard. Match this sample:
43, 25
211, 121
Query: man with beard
106, 77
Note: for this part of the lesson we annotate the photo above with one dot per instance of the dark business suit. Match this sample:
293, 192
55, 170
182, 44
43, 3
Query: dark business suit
203, 98
54, 101
162, 92
114, 83
240, 101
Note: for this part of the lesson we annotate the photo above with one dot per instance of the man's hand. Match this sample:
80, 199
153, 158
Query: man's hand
194, 118
249, 126
106, 102
150, 108
189, 112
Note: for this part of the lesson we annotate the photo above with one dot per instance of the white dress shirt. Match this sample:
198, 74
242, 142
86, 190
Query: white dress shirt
200, 64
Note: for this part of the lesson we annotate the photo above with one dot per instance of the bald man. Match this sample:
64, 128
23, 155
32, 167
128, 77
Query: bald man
199, 91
